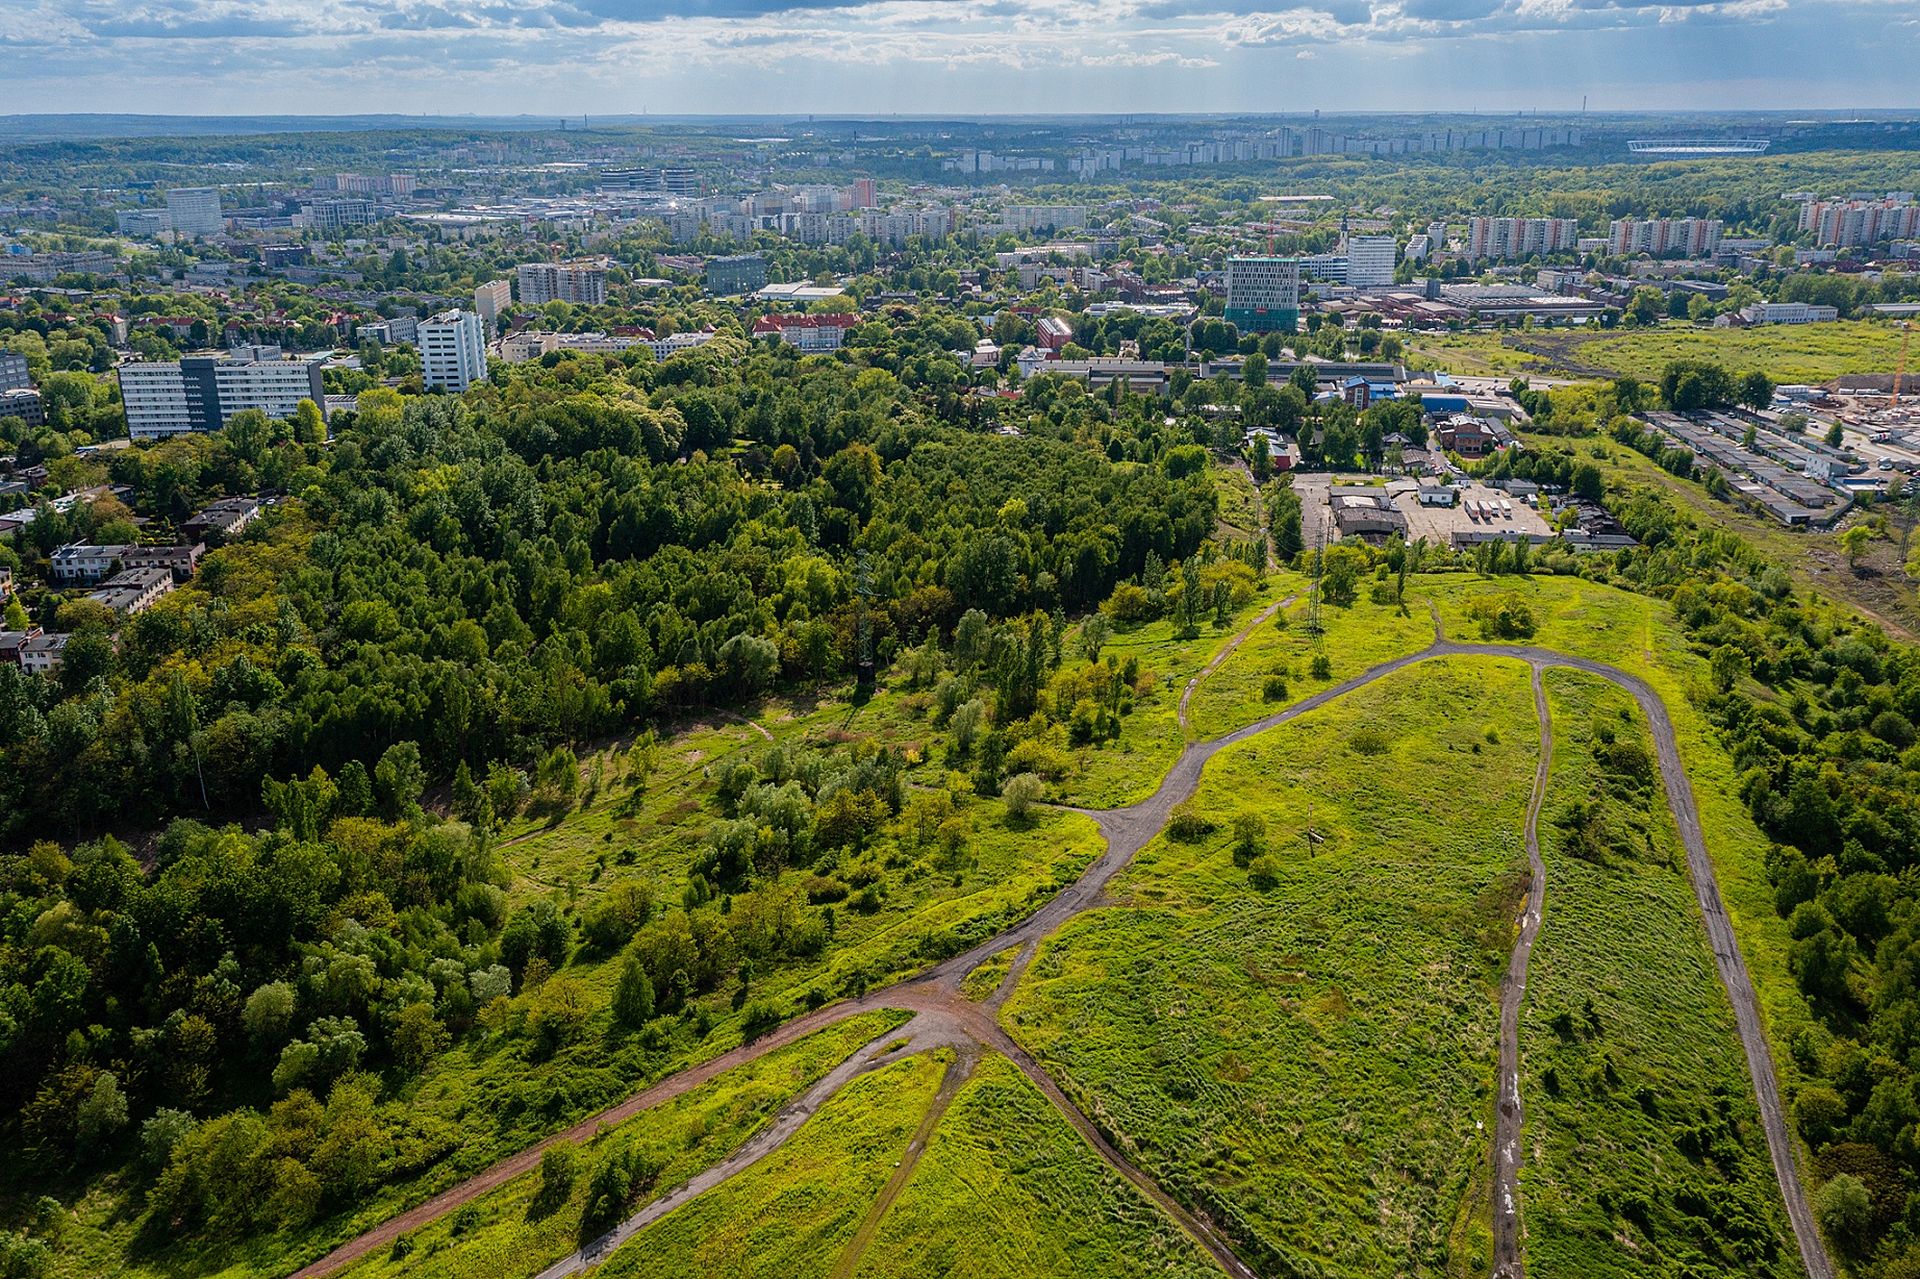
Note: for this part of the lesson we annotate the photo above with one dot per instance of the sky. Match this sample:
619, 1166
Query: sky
915, 57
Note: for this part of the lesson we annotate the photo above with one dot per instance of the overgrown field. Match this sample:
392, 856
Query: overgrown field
1786, 353
1644, 1152
1243, 688
1638, 634
789, 1216
1003, 1156
1129, 768
1301, 1040
518, 1231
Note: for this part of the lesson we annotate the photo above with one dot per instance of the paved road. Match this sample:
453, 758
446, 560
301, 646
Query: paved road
945, 1017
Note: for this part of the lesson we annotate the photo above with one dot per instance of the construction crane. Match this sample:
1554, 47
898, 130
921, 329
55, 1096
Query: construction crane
1900, 373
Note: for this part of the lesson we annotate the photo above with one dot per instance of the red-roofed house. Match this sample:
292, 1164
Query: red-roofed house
808, 332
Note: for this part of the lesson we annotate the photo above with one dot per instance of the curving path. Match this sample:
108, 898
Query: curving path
1508, 1261
945, 1018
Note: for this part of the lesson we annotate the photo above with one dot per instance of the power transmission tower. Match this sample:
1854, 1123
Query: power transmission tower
1313, 590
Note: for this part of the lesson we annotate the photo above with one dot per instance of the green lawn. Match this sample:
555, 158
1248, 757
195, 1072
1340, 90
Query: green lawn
1644, 1152
507, 1236
1311, 1062
790, 1215
1003, 1156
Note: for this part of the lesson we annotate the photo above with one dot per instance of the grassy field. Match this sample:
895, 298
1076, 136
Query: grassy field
1003, 1156
789, 1216
1787, 353
1130, 767
1474, 354
1304, 1048
1355, 638
1638, 634
1644, 1153
509, 1235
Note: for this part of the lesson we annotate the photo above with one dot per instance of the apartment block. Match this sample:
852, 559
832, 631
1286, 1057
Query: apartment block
1694, 237
493, 300
202, 392
1503, 239
1855, 222
453, 351
583, 282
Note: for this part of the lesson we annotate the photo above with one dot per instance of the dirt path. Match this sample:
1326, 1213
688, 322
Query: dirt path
945, 1017
1186, 694
1509, 1261
958, 1071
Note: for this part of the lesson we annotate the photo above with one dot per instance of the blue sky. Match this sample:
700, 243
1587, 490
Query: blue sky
960, 56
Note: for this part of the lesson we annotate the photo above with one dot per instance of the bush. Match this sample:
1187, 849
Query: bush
1503, 616
1020, 793
1274, 689
1188, 826
1368, 741
1322, 667
559, 1166
1845, 1211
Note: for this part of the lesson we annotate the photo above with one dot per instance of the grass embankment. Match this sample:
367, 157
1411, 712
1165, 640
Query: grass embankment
1002, 1155
511, 1234
1305, 1047
1644, 1151
1637, 634
789, 1216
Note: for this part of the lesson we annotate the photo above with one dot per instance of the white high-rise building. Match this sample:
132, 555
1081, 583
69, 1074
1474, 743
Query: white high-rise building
202, 392
195, 211
1370, 260
492, 300
453, 351
583, 282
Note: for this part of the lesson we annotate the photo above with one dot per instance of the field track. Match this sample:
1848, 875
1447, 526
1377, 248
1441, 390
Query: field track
944, 1017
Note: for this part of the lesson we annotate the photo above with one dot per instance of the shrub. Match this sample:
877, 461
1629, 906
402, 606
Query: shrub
1845, 1210
1503, 616
1020, 793
559, 1166
1188, 825
1274, 689
1368, 741
1322, 667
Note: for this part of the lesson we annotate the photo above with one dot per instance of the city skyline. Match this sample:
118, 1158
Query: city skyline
213, 57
